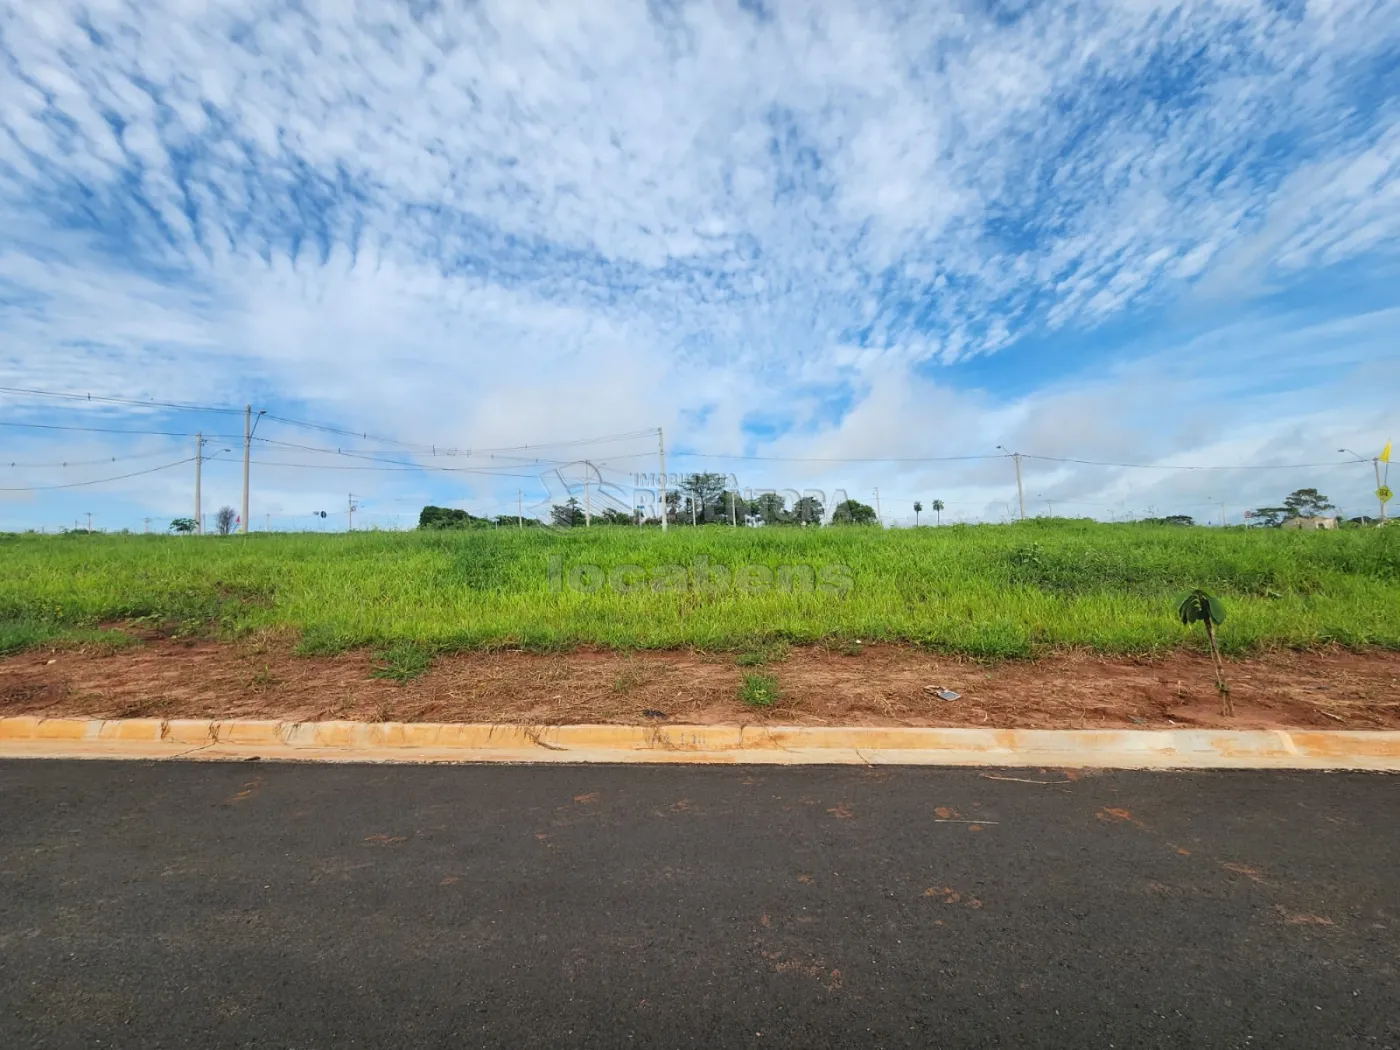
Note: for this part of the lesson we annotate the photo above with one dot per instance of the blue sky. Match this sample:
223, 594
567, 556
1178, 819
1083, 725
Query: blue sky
1145, 232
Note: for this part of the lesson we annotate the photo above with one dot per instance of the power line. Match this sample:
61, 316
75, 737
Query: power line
408, 469
1174, 466
454, 451
118, 430
1024, 455
834, 459
363, 436
94, 462
444, 450
571, 441
375, 454
108, 400
98, 481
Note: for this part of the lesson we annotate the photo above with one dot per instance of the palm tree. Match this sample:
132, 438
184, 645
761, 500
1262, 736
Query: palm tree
938, 509
917, 507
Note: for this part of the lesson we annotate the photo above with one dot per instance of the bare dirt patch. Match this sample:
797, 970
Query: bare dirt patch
882, 685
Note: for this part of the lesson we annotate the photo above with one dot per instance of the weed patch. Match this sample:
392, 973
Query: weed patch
402, 662
759, 690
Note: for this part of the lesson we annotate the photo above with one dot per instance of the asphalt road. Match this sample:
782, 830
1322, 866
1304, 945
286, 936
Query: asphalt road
261, 905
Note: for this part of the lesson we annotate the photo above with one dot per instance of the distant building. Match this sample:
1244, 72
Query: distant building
1309, 524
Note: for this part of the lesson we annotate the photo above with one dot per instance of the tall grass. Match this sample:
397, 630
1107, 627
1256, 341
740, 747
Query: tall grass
983, 590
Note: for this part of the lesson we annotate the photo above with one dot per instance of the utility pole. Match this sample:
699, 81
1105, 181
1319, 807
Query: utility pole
733, 520
1223, 522
1020, 492
267, 523
350, 513
247, 446
587, 497
519, 509
89, 517
198, 465
878, 516
1376, 462
148, 525
661, 444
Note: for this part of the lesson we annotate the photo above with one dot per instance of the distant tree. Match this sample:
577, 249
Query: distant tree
182, 525
733, 507
705, 495
853, 512
917, 507
1171, 519
568, 515
1306, 503
449, 518
808, 511
938, 510
613, 516
1270, 517
224, 519
771, 509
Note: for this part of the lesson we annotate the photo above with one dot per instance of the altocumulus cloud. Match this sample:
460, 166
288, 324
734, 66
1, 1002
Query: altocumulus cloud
770, 226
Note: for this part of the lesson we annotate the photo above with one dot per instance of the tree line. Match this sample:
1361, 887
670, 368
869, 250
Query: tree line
704, 499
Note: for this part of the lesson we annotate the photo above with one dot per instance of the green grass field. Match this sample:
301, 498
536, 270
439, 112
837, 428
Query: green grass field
987, 590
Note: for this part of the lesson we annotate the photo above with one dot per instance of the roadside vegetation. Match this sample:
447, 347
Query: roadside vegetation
986, 591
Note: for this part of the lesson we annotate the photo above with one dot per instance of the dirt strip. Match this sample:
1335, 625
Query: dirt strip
878, 686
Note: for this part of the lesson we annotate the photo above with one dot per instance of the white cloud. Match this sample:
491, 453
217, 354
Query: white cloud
505, 222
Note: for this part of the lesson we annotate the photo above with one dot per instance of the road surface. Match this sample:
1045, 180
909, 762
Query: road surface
316, 906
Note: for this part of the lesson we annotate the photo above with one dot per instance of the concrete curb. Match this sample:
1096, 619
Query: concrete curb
150, 738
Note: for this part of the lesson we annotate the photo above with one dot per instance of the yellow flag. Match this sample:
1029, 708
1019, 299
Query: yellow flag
1385, 453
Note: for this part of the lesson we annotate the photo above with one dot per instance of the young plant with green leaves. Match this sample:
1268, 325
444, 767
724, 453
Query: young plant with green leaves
1200, 607
759, 690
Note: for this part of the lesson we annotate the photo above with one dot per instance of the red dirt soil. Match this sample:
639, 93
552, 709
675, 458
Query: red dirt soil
879, 686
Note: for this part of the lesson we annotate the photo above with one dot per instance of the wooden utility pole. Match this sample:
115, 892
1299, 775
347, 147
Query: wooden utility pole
661, 444
198, 469
247, 447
